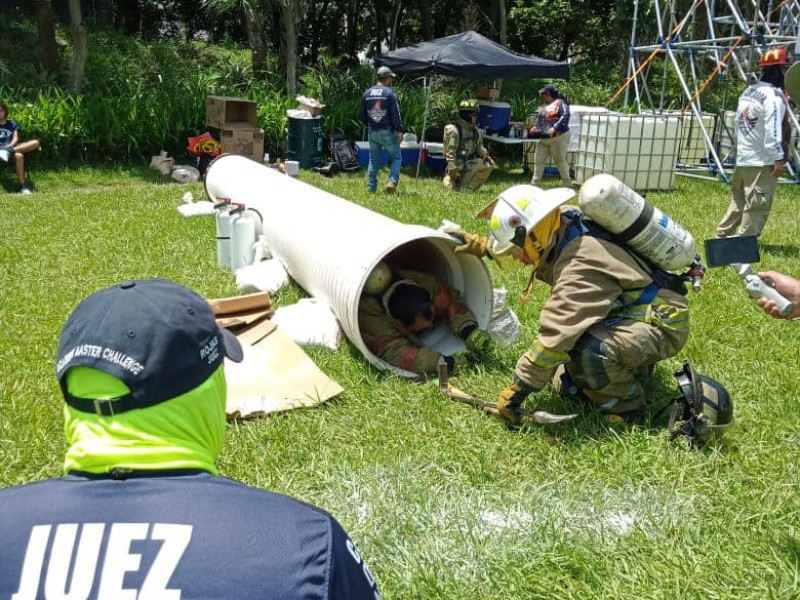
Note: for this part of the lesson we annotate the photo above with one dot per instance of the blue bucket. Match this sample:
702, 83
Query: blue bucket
494, 117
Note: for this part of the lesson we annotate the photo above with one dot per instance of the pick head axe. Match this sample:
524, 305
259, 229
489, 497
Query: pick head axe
539, 416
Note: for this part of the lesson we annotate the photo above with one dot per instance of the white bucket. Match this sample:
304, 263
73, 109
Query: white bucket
330, 246
292, 168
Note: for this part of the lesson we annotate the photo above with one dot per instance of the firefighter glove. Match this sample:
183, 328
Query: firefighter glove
479, 342
470, 243
509, 402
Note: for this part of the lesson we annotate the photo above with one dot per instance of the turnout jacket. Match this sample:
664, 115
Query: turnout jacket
462, 142
594, 280
181, 534
398, 346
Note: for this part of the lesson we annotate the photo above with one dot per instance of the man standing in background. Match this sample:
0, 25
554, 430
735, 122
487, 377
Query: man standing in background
762, 145
380, 112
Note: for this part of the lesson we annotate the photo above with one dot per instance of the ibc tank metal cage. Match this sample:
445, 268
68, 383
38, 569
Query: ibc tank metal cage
640, 150
705, 47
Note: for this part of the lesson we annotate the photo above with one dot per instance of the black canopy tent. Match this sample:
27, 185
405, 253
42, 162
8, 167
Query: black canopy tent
471, 56
468, 55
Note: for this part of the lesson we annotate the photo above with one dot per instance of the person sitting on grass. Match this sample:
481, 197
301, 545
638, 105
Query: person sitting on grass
11, 147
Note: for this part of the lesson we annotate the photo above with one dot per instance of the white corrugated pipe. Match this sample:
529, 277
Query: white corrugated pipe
330, 246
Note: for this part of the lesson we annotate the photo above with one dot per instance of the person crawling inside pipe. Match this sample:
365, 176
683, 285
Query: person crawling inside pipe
398, 306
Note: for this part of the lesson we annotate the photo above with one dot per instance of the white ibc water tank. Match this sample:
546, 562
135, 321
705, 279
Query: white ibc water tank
330, 246
633, 220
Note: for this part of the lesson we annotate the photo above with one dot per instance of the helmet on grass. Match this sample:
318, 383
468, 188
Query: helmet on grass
707, 407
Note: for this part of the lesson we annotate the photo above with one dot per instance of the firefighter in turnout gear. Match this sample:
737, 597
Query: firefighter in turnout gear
415, 302
468, 162
611, 316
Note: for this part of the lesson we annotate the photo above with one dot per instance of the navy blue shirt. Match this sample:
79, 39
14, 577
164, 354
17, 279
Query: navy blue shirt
380, 109
7, 130
185, 534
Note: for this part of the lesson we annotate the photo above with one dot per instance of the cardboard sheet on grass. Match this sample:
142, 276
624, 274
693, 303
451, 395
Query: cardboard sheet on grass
276, 375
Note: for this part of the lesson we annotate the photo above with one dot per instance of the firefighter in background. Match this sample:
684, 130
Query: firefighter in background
552, 129
397, 307
762, 148
610, 315
468, 162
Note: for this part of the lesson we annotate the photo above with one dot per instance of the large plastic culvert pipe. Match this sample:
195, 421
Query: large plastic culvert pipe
329, 246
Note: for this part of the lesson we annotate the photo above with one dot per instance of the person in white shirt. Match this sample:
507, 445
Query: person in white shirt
762, 143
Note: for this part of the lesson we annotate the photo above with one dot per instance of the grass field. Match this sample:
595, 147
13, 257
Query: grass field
443, 501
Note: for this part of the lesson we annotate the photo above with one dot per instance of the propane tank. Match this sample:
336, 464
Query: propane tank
244, 233
223, 216
634, 221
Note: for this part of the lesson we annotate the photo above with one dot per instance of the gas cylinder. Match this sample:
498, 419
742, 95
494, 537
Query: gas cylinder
245, 224
633, 220
223, 217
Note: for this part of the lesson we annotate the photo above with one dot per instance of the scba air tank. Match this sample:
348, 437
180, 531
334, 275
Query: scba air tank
246, 227
633, 220
223, 220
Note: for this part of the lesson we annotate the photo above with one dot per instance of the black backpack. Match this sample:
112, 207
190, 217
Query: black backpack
343, 152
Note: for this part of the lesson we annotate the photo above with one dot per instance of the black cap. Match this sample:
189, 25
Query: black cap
550, 89
158, 337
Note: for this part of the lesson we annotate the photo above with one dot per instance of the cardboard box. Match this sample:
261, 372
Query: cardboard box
224, 112
487, 93
244, 142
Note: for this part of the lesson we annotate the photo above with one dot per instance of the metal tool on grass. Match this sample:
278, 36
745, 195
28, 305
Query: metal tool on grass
539, 416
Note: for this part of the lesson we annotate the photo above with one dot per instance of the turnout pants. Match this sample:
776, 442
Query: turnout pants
612, 361
474, 173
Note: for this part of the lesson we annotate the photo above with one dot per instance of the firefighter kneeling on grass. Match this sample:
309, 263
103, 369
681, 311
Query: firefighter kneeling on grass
610, 316
468, 162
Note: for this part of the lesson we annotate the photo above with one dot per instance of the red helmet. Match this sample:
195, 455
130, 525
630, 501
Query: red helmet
774, 57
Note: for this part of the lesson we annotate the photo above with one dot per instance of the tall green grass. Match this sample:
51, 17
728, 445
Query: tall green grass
443, 501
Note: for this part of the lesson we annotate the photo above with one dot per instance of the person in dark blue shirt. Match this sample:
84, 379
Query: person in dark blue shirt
142, 511
12, 149
380, 112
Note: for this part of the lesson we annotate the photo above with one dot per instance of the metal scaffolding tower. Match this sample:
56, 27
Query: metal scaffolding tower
713, 46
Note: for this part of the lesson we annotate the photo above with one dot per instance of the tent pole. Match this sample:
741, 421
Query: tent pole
424, 123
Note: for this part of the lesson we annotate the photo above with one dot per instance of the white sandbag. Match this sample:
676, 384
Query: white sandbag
194, 209
185, 174
264, 276
309, 322
504, 327
162, 163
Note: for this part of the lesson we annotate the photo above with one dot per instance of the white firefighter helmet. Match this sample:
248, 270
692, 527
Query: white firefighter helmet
518, 210
378, 280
